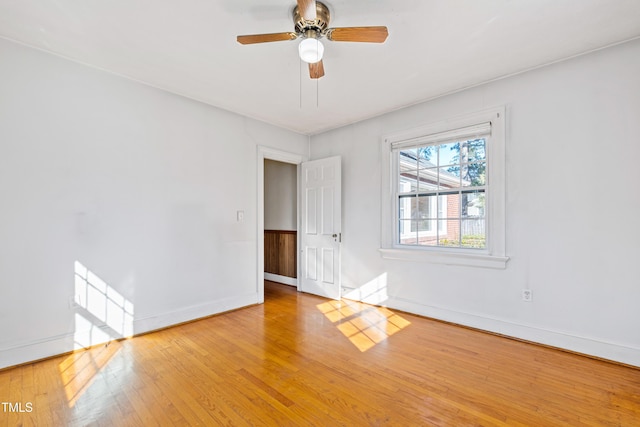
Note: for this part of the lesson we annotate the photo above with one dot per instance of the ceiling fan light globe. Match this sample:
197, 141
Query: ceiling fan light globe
311, 50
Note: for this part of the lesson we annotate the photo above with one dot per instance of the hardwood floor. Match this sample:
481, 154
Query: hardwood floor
302, 360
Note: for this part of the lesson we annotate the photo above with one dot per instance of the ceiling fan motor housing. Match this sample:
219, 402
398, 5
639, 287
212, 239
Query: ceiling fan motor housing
311, 23
317, 26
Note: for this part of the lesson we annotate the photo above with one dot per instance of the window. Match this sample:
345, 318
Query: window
441, 192
445, 196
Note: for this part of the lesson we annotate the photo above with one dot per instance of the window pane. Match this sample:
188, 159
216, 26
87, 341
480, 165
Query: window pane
473, 204
429, 239
450, 234
473, 174
473, 150
428, 179
426, 207
449, 154
406, 206
449, 177
473, 233
407, 159
426, 225
407, 182
405, 233
427, 156
450, 206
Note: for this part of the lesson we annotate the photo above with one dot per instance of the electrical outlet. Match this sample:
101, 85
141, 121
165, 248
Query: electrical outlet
527, 295
240, 216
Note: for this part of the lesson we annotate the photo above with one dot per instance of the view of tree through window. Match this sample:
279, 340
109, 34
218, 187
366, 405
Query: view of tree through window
441, 194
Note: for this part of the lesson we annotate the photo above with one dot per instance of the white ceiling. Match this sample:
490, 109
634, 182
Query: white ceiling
434, 47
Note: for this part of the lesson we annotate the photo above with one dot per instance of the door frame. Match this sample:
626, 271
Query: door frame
285, 157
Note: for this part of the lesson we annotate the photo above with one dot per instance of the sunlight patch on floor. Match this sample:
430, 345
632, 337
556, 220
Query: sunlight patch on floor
102, 315
364, 325
79, 370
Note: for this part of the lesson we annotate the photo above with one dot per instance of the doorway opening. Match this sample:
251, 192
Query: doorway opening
280, 222
278, 218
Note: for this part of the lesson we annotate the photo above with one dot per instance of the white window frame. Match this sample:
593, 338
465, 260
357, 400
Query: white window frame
494, 254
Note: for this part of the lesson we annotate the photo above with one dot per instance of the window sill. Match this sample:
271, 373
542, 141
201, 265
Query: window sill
447, 258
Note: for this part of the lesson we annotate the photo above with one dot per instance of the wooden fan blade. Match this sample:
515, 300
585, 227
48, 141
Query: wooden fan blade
264, 38
307, 9
358, 34
316, 70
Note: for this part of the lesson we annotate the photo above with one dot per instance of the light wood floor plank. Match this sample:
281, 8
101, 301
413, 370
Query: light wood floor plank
302, 360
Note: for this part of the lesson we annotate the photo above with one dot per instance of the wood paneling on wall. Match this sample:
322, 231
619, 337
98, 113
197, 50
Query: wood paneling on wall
280, 252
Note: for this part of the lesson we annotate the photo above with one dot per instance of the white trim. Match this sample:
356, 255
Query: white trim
197, 311
285, 280
494, 256
615, 351
459, 257
25, 352
263, 153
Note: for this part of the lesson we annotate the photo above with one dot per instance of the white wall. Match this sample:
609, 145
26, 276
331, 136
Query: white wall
280, 201
138, 185
573, 206
142, 187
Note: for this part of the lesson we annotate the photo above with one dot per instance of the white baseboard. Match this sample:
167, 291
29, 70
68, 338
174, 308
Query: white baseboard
151, 323
281, 279
588, 346
25, 352
585, 345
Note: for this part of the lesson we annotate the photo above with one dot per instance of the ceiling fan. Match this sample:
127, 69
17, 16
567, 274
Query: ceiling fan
311, 23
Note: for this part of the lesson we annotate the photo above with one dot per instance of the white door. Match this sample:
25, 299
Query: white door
321, 227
